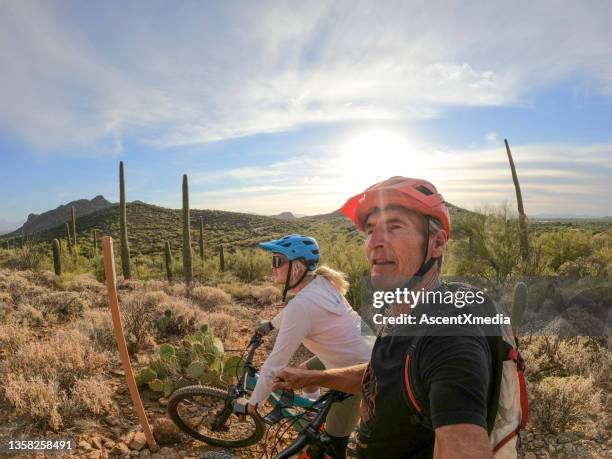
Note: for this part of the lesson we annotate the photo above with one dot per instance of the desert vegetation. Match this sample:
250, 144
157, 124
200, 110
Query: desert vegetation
59, 367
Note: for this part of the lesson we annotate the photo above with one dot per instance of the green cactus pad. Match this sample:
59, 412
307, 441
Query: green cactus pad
156, 385
166, 349
145, 376
168, 388
195, 369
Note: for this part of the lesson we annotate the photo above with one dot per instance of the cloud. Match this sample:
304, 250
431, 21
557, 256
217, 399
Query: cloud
553, 177
95, 75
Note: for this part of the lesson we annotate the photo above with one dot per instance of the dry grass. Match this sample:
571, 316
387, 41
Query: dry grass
65, 357
93, 396
562, 402
266, 295
35, 397
222, 325
61, 306
209, 297
97, 325
13, 337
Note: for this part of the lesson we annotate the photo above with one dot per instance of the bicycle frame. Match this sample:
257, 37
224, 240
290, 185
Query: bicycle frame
249, 378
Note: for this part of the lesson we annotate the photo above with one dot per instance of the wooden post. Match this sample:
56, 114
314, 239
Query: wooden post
113, 301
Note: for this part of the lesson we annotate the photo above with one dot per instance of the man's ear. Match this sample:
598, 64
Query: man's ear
439, 243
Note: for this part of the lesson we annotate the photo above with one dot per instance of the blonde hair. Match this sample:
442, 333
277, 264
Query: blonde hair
336, 278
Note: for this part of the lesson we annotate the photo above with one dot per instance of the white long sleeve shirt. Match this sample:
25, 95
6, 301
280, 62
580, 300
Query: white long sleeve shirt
320, 318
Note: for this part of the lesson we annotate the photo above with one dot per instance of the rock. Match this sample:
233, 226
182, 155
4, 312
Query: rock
138, 441
108, 443
118, 372
166, 432
563, 438
163, 401
120, 448
538, 443
127, 438
112, 420
145, 453
84, 445
96, 442
530, 455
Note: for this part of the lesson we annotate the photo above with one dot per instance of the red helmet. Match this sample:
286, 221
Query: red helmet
414, 194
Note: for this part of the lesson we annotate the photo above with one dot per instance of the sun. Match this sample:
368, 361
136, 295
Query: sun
376, 154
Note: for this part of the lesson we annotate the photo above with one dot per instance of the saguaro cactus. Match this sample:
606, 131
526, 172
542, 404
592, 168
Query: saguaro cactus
95, 242
519, 304
202, 239
125, 248
57, 258
221, 259
74, 238
68, 238
187, 268
168, 260
521, 210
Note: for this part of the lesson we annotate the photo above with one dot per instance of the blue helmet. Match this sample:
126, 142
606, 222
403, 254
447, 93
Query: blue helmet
295, 247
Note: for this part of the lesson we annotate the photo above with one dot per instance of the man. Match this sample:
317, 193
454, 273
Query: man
408, 226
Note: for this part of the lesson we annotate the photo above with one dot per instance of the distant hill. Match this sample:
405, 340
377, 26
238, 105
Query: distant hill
47, 220
284, 216
149, 226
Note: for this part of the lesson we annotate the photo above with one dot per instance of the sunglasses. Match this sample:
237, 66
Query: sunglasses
278, 261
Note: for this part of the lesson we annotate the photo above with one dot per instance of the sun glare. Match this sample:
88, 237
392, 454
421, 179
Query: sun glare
377, 154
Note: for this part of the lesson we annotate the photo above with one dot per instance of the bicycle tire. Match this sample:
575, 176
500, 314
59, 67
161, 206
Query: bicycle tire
219, 396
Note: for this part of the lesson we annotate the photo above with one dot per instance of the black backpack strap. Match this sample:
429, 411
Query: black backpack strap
412, 390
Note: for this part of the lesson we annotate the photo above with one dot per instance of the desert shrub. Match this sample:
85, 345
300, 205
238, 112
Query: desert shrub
237, 290
97, 325
13, 336
29, 256
249, 265
561, 246
64, 306
266, 295
348, 257
593, 265
65, 357
486, 244
209, 297
585, 356
93, 396
137, 318
176, 289
155, 298
27, 315
35, 397
562, 402
176, 317
577, 356
222, 324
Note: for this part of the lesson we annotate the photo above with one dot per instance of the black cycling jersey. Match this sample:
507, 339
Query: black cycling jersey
451, 369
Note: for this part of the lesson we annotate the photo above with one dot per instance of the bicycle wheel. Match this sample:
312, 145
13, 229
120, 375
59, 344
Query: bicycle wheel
201, 412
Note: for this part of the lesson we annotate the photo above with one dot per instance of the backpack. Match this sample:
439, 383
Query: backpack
507, 407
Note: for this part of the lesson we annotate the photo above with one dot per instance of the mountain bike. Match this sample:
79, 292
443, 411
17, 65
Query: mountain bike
217, 416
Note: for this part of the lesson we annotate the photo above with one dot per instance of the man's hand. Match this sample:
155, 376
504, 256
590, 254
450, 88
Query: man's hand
294, 378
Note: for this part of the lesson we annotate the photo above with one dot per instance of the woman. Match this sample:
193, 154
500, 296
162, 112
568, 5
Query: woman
319, 317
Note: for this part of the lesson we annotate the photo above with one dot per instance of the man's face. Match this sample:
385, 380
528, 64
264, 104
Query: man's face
395, 245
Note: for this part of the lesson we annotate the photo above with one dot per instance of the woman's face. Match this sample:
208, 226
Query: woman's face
280, 273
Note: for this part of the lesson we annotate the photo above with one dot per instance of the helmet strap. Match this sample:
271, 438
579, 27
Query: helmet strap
288, 279
425, 266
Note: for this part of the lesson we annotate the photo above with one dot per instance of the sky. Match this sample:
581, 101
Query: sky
296, 106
